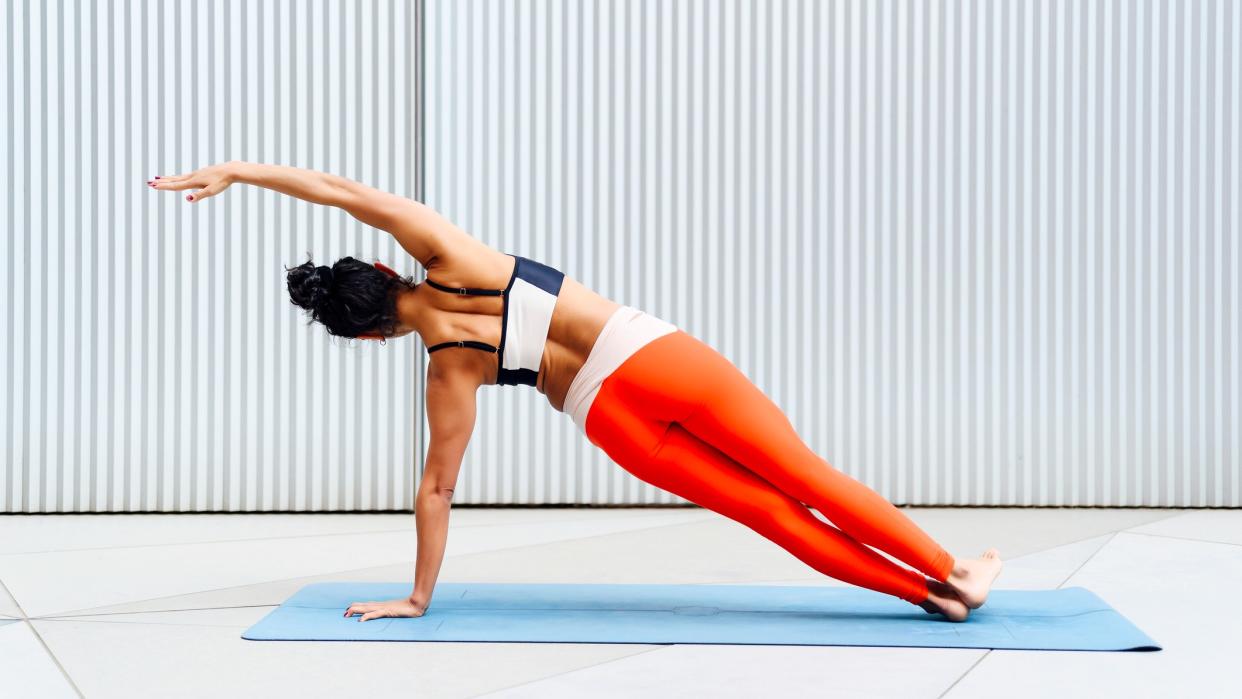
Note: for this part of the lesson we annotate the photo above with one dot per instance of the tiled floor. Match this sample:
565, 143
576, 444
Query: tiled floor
154, 605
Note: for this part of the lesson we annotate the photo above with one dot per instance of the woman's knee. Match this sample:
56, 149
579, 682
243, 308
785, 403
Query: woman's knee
769, 513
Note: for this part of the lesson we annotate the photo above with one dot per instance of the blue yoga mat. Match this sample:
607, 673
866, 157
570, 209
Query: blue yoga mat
1069, 619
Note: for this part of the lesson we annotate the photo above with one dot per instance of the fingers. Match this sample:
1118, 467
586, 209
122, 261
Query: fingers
381, 610
360, 608
165, 179
171, 184
209, 191
198, 188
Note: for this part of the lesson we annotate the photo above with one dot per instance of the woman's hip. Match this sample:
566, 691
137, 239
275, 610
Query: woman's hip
664, 381
627, 331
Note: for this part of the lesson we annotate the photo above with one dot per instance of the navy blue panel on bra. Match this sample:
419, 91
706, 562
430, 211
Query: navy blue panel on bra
538, 274
514, 377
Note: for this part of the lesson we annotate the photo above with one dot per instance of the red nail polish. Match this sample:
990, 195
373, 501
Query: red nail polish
157, 177
189, 197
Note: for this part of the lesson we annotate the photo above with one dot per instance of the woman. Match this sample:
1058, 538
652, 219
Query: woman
665, 406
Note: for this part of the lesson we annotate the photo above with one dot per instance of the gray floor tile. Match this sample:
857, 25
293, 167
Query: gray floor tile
1182, 593
8, 606
26, 669
201, 654
1221, 526
967, 532
38, 533
268, 594
1046, 570
758, 671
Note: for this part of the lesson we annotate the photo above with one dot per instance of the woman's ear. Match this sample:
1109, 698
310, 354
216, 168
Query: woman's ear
385, 269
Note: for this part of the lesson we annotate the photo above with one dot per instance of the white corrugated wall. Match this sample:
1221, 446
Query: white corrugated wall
151, 359
981, 252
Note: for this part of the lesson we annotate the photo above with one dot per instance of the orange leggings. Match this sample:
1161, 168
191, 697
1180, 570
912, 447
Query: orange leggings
679, 415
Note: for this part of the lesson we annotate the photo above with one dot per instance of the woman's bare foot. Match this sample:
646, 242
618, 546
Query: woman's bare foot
972, 578
942, 599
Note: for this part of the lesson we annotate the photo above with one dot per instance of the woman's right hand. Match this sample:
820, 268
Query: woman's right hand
207, 181
396, 608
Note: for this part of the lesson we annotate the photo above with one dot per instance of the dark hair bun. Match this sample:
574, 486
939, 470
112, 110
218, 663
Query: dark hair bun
350, 298
310, 286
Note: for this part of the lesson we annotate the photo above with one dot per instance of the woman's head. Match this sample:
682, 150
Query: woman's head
351, 298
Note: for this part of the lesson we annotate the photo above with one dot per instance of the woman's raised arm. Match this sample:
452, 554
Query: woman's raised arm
419, 229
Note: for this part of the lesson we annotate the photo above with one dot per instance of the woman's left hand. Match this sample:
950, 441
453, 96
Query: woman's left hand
206, 182
392, 608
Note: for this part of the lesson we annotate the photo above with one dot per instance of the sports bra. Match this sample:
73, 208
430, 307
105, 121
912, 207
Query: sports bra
529, 300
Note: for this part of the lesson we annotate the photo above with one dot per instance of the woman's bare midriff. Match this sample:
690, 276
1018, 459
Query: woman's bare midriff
577, 318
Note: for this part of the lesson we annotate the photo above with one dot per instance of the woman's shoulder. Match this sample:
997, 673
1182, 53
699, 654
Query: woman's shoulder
469, 262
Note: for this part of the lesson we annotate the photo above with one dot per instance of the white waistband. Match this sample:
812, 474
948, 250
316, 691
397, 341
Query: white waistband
626, 331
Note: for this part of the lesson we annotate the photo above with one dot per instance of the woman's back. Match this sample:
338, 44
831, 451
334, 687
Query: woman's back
578, 313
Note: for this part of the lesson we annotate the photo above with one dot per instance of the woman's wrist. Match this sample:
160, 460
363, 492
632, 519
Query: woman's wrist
241, 171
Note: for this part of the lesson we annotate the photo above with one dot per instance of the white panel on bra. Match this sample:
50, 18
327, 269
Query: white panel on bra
530, 314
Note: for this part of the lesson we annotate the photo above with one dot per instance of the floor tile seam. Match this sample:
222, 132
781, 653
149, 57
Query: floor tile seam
1037, 552
1067, 579
63, 671
1086, 538
1093, 536
196, 543
1089, 559
79, 620
280, 538
1180, 538
584, 538
4, 589
1007, 560
577, 669
962, 676
82, 617
78, 612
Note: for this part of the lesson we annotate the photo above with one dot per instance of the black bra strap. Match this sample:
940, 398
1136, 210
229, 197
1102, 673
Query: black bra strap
464, 290
462, 343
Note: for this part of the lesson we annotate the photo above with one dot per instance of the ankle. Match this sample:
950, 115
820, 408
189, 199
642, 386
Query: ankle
943, 565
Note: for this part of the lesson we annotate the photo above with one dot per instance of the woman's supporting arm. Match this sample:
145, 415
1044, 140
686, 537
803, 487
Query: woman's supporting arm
451, 389
431, 520
451, 411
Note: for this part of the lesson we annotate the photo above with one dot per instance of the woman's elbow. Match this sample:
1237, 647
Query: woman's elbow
435, 491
